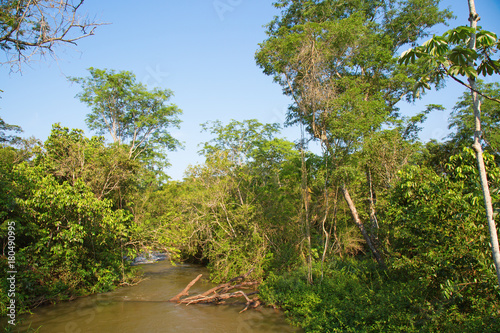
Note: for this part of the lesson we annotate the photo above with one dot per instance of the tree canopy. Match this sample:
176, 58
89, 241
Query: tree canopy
338, 62
129, 112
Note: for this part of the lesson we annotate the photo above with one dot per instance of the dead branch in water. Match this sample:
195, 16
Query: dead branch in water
185, 292
220, 293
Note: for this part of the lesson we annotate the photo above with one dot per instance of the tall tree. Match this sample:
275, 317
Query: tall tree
338, 61
466, 51
34, 27
232, 196
474, 18
129, 112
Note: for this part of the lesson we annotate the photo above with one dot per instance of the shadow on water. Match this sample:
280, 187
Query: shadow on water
144, 308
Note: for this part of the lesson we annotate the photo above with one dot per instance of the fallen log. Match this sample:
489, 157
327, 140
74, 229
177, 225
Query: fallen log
185, 292
220, 293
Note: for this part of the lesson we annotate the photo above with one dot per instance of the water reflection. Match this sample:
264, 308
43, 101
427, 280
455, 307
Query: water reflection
143, 308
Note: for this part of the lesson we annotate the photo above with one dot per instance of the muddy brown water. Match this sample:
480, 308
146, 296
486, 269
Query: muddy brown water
144, 308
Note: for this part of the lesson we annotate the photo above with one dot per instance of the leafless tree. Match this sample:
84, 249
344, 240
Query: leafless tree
30, 28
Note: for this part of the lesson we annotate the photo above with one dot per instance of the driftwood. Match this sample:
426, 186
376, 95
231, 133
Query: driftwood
220, 293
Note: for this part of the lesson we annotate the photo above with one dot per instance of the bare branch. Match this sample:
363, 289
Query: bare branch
185, 292
30, 28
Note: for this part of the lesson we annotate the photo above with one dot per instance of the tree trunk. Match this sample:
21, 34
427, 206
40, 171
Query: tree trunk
372, 200
307, 226
325, 232
362, 228
327, 209
474, 18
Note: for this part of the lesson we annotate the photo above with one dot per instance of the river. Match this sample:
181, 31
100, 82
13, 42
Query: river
144, 308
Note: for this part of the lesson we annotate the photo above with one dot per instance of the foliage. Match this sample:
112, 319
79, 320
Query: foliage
232, 207
438, 236
72, 157
448, 55
462, 119
82, 206
226, 223
351, 297
4, 127
129, 112
458, 53
354, 296
158, 219
439, 277
385, 153
337, 60
339, 64
68, 242
243, 207
436, 222
71, 238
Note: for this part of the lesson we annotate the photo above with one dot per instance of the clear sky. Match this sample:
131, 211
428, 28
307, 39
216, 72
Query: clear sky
203, 50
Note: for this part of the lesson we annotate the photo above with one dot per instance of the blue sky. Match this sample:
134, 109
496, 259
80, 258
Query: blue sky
203, 50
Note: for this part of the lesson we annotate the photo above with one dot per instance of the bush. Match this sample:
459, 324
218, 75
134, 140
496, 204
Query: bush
355, 296
68, 243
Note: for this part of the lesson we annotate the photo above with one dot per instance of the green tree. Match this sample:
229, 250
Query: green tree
129, 112
242, 204
462, 119
465, 51
237, 138
160, 218
29, 28
4, 127
338, 61
72, 157
68, 242
438, 237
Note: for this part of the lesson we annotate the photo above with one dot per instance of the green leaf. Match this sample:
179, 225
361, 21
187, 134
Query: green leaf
454, 70
470, 72
486, 39
459, 35
462, 56
408, 57
436, 46
486, 68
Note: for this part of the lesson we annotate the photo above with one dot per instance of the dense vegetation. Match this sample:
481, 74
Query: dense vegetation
378, 233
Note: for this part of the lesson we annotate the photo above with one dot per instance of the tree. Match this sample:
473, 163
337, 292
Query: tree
68, 242
237, 138
462, 118
243, 203
337, 60
458, 53
4, 138
31, 27
129, 112
437, 235
72, 157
